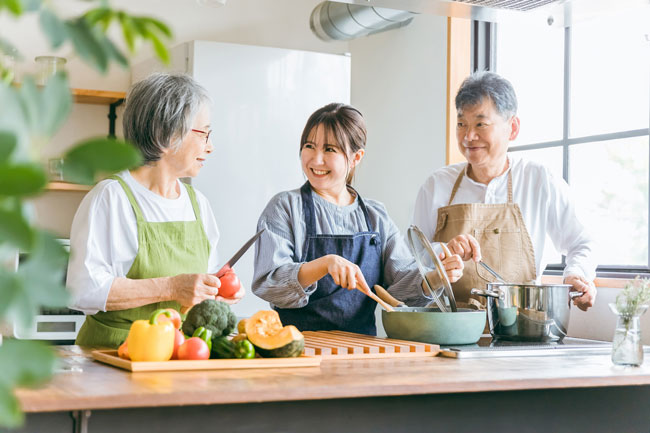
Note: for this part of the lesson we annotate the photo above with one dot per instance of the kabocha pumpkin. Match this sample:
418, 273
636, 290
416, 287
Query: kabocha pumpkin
241, 326
271, 339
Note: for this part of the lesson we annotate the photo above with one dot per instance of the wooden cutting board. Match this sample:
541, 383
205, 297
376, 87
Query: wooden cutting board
110, 357
318, 345
348, 345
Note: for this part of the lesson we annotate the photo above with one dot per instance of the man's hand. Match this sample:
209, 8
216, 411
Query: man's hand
466, 246
588, 288
453, 265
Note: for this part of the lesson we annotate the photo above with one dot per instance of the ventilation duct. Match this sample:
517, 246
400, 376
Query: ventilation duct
555, 12
515, 5
341, 21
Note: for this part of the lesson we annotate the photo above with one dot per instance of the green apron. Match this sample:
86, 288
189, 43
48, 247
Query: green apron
165, 249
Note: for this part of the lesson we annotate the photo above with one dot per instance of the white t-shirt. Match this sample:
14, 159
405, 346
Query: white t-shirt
104, 236
544, 201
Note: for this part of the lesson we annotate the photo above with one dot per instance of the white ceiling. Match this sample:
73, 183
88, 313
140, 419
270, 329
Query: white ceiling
280, 23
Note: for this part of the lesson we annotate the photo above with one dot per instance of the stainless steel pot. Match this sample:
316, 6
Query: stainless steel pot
528, 312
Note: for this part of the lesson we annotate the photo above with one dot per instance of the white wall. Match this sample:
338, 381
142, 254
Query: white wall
599, 322
280, 23
399, 84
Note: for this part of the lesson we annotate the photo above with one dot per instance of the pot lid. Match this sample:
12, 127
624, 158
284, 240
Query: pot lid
431, 269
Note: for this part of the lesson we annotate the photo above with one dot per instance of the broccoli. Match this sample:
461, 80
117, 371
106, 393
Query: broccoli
213, 315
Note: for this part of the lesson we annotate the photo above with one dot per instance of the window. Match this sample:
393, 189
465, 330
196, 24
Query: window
584, 98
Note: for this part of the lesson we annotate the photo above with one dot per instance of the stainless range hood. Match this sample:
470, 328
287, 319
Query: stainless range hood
556, 12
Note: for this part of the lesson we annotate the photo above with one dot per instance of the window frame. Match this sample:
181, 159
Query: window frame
484, 53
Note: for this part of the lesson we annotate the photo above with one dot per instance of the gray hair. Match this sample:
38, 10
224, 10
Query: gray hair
160, 111
485, 84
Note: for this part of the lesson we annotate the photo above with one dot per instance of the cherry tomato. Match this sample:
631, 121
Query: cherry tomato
229, 284
175, 318
194, 348
123, 351
179, 339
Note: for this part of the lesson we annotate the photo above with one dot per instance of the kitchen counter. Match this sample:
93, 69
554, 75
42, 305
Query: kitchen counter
551, 394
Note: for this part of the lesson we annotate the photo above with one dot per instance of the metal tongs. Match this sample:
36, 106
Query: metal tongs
493, 272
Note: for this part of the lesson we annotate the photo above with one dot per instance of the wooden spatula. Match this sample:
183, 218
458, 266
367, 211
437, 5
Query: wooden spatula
376, 298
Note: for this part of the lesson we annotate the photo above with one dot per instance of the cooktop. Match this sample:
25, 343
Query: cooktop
487, 347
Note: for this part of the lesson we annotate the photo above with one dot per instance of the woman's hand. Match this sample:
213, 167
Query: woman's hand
191, 289
234, 298
588, 288
345, 273
466, 246
453, 265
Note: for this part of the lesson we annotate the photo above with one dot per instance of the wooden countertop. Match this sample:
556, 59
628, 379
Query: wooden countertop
87, 384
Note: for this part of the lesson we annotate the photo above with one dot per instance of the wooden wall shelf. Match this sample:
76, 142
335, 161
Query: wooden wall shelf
67, 186
101, 97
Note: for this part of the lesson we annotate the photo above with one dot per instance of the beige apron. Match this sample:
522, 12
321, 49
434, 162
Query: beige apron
501, 232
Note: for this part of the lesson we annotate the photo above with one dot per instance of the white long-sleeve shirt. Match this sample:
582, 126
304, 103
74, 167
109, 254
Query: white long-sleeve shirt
544, 201
104, 236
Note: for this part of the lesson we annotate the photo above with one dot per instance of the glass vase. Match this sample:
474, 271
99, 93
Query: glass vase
627, 348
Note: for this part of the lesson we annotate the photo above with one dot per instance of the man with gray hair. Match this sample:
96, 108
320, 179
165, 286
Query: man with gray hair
500, 208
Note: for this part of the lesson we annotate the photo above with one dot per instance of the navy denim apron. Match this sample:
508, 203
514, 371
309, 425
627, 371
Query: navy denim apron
332, 307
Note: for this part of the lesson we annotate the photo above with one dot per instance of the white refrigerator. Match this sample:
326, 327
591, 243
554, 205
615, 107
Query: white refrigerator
261, 99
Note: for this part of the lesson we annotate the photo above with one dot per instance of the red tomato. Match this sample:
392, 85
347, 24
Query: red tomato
194, 348
175, 318
123, 351
229, 284
179, 339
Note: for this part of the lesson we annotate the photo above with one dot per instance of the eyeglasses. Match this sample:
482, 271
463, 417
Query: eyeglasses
207, 133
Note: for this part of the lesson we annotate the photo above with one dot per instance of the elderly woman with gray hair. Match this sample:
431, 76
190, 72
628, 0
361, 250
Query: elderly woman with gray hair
142, 239
498, 207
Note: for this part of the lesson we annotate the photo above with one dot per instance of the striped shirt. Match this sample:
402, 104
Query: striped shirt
280, 248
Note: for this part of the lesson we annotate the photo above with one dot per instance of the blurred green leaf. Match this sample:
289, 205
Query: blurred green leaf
14, 6
32, 5
97, 15
128, 30
161, 50
22, 179
86, 44
7, 145
26, 363
37, 281
114, 53
99, 155
41, 274
53, 27
13, 120
162, 27
8, 48
44, 269
15, 230
140, 25
56, 101
29, 99
10, 286
10, 414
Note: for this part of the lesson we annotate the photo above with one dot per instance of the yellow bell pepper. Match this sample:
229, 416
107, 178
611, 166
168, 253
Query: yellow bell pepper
149, 340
